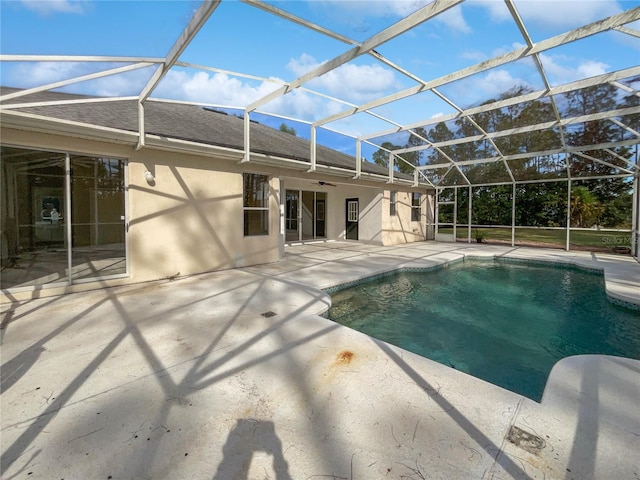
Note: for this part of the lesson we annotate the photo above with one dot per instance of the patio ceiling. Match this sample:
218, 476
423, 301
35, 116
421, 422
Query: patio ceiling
530, 132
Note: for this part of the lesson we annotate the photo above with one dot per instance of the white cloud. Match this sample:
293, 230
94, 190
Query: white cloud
215, 88
559, 68
497, 82
226, 90
474, 55
553, 13
356, 83
498, 11
357, 13
48, 7
453, 19
480, 88
36, 74
121, 85
303, 64
591, 69
28, 75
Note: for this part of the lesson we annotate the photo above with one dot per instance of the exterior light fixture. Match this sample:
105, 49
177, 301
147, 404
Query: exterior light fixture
148, 176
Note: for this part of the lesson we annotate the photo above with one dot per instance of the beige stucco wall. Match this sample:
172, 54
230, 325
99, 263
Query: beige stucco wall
376, 226
190, 221
399, 228
337, 194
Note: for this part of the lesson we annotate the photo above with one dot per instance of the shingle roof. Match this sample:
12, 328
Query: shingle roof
187, 122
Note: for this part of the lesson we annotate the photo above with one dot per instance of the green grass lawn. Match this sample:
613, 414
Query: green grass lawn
580, 239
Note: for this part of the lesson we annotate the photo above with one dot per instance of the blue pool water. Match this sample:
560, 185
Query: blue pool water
503, 322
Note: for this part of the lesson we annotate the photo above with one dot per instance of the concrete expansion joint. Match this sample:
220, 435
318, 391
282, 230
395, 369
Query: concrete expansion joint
505, 439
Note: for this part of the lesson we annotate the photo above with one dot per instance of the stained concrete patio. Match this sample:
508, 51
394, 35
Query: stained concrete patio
186, 379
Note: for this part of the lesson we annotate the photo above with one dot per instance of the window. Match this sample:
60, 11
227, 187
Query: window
352, 211
392, 202
256, 204
415, 206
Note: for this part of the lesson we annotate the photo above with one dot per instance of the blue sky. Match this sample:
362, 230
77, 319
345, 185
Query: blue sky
241, 38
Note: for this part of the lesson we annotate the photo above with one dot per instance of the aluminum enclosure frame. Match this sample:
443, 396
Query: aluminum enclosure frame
620, 22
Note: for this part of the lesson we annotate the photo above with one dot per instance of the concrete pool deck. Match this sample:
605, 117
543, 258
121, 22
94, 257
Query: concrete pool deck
234, 375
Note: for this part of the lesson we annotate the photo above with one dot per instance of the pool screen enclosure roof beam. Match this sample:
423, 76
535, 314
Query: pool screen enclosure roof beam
407, 23
188, 34
536, 58
523, 52
71, 81
621, 22
540, 94
525, 129
198, 19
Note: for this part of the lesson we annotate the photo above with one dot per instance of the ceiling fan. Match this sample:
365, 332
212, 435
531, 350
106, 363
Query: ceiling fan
323, 183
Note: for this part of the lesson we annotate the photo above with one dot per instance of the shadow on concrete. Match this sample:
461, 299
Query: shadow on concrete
205, 370
248, 437
12, 370
476, 434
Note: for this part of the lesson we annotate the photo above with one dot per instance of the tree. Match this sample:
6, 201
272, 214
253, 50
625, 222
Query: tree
413, 158
602, 201
286, 129
585, 208
439, 133
381, 156
613, 194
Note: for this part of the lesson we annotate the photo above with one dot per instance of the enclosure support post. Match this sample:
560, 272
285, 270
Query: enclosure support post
455, 213
635, 217
282, 205
436, 214
568, 214
469, 215
513, 216
67, 215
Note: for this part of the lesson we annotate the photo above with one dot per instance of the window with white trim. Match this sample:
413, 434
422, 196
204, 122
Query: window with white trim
256, 204
416, 198
352, 211
393, 198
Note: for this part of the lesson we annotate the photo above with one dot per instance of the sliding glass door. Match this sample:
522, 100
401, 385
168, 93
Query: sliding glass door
62, 218
97, 193
305, 215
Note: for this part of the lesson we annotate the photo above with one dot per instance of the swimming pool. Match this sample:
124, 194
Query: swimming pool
506, 323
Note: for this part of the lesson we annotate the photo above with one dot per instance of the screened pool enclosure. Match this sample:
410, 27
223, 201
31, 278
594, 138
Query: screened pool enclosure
520, 118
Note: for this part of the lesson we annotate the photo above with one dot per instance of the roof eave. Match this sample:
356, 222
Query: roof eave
41, 124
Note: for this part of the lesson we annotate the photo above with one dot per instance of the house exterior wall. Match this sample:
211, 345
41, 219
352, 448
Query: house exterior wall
369, 221
376, 226
190, 221
399, 228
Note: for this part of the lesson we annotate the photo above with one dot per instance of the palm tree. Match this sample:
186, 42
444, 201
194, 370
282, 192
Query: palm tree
585, 207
